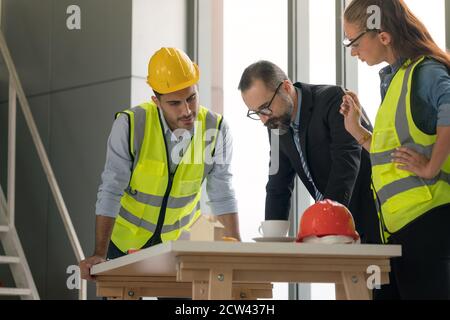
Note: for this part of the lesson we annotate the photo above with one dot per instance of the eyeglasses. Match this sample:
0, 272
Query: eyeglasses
351, 43
265, 111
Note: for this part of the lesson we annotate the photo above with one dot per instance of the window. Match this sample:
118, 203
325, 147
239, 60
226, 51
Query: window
253, 30
322, 17
322, 41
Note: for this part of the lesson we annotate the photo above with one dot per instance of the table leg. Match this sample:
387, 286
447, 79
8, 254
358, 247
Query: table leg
200, 290
340, 292
355, 286
220, 284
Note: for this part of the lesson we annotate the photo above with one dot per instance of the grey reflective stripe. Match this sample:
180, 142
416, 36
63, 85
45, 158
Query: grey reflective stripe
409, 183
425, 150
140, 117
176, 203
378, 159
156, 201
381, 158
211, 120
182, 222
141, 223
401, 120
211, 123
131, 218
143, 198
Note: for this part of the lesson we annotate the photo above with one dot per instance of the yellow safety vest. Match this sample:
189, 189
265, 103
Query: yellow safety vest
401, 196
157, 203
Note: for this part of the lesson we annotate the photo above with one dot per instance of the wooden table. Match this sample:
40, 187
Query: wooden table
226, 270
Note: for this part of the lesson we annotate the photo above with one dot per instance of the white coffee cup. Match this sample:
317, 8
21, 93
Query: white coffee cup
274, 228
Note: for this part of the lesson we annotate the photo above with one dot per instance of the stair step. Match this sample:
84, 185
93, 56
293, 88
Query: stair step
14, 292
4, 228
8, 259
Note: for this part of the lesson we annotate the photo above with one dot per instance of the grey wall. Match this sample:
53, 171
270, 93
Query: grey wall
75, 80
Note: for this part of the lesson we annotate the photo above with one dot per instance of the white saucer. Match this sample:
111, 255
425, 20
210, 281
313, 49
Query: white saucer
275, 239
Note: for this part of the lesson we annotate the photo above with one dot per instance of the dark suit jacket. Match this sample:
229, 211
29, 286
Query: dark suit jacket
340, 168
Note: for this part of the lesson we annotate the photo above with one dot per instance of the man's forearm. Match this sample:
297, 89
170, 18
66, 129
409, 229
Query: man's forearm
231, 223
103, 229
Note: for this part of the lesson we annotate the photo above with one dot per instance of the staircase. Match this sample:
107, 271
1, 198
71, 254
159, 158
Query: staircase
15, 258
14, 254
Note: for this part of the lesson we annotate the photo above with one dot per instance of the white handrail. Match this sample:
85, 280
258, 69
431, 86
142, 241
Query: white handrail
16, 84
12, 111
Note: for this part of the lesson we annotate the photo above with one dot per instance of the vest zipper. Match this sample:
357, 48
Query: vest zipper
156, 238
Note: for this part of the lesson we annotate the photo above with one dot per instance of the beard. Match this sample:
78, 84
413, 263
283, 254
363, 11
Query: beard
188, 126
282, 122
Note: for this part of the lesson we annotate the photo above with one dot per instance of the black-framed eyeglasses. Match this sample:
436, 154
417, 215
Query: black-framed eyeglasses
265, 111
351, 43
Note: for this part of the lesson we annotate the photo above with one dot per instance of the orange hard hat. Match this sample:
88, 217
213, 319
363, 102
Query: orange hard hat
327, 218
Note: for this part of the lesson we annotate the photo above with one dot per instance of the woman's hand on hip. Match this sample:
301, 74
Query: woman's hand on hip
414, 162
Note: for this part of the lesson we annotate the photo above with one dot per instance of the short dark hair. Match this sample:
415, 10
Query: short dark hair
157, 95
268, 72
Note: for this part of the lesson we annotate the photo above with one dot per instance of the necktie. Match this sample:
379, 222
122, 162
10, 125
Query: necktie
318, 195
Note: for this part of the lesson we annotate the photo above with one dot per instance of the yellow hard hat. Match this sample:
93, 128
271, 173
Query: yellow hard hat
170, 70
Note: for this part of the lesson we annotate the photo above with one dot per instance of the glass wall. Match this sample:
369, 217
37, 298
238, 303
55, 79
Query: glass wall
322, 50
253, 30
322, 46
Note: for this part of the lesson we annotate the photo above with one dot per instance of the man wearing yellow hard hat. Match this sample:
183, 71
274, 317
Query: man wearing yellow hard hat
158, 155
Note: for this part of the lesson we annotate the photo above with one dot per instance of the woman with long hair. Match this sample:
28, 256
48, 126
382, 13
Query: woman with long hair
410, 144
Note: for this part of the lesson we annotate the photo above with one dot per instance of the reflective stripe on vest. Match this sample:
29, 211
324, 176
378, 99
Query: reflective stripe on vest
131, 218
403, 196
409, 183
152, 194
157, 201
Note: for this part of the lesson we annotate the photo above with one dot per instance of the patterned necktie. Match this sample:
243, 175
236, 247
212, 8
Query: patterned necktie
318, 195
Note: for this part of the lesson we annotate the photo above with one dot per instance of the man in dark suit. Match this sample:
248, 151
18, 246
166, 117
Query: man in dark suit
313, 143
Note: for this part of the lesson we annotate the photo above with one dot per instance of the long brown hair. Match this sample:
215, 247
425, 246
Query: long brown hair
410, 37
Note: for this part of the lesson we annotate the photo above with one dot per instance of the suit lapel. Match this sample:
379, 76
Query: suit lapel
305, 114
288, 143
